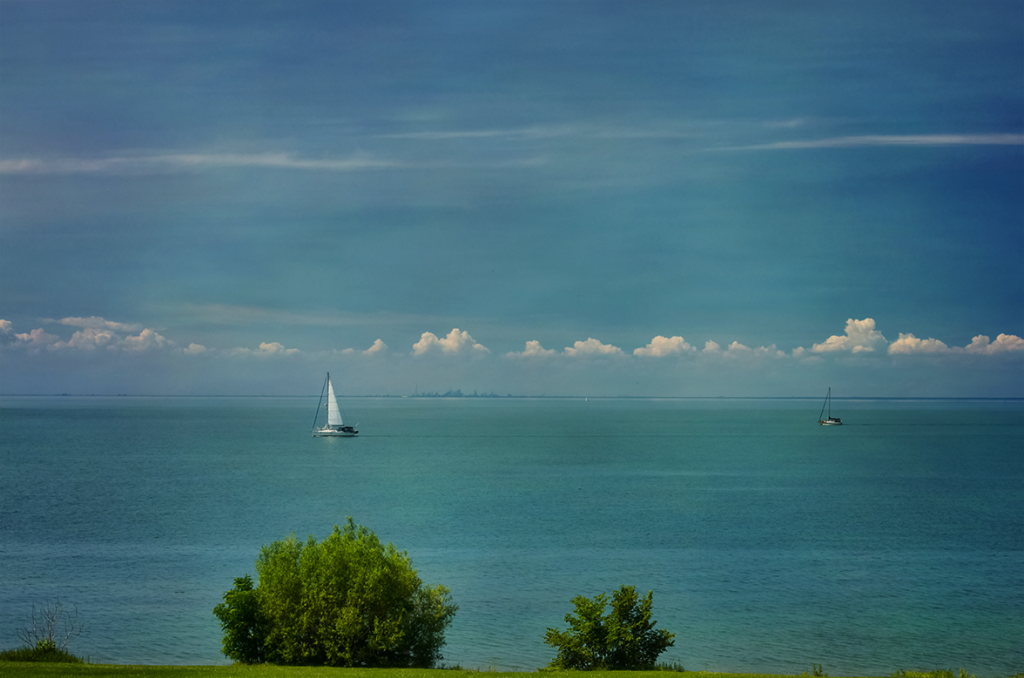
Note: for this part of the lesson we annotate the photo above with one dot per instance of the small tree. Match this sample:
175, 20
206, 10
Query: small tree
51, 627
624, 638
347, 601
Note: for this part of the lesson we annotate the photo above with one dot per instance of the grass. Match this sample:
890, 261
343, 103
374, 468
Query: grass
41, 670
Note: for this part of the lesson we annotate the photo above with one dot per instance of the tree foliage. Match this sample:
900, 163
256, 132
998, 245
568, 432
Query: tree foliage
346, 601
622, 638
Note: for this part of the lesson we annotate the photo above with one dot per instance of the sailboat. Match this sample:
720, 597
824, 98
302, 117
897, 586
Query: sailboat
335, 427
829, 420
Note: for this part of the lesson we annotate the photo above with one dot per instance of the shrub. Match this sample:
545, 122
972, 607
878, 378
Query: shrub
347, 601
42, 652
934, 673
50, 628
622, 639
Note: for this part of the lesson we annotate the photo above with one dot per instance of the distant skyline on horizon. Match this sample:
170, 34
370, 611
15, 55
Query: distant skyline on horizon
665, 199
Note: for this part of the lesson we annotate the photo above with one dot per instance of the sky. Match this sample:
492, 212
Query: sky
694, 198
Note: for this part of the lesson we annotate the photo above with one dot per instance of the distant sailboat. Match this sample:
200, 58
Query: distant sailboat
335, 427
829, 420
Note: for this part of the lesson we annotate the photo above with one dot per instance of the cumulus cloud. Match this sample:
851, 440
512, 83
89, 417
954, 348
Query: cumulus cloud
860, 337
1004, 343
738, 350
378, 347
266, 349
908, 343
457, 342
195, 349
662, 346
90, 339
533, 349
592, 347
37, 338
145, 340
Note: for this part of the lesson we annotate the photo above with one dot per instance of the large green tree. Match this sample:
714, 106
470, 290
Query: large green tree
346, 601
622, 638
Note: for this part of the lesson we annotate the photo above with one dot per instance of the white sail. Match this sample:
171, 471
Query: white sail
334, 428
333, 412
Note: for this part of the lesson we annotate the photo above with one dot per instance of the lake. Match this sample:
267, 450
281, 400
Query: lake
770, 543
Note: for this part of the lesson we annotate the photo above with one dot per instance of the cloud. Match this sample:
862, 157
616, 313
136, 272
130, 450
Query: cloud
133, 164
591, 347
662, 346
37, 338
145, 340
908, 343
860, 337
266, 349
97, 323
738, 350
379, 347
533, 349
1004, 343
893, 140
90, 339
457, 342
195, 349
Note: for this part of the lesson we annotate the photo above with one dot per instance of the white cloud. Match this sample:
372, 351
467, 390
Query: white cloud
37, 338
1004, 343
861, 336
147, 339
895, 140
266, 349
738, 350
195, 349
592, 347
378, 347
533, 349
662, 346
89, 339
455, 343
908, 343
97, 323
131, 164
769, 352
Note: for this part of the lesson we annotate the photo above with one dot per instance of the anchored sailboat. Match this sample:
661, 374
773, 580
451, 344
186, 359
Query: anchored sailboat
829, 420
335, 427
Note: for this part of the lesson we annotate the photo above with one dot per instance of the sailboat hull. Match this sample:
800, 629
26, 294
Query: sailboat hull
830, 422
344, 432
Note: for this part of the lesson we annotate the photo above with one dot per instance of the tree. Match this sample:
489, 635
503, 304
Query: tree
624, 638
51, 627
243, 624
347, 601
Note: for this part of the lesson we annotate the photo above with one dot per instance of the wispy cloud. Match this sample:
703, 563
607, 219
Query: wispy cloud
126, 164
180, 162
890, 140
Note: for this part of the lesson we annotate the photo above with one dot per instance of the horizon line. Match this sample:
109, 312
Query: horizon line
507, 396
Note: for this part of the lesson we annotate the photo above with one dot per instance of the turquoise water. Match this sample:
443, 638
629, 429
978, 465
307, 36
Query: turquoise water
895, 541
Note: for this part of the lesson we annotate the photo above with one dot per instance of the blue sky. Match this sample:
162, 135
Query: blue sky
564, 198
